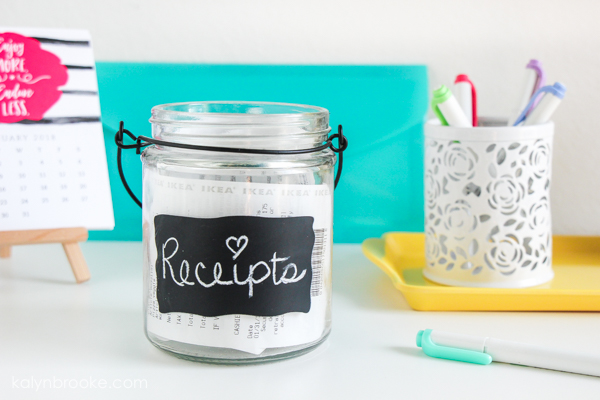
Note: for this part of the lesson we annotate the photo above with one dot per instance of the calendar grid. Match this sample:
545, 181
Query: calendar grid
53, 172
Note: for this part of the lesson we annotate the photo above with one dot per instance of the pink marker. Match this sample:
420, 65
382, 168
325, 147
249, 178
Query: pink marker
466, 95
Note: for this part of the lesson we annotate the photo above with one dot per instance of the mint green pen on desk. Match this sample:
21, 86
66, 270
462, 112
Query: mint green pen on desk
447, 109
484, 350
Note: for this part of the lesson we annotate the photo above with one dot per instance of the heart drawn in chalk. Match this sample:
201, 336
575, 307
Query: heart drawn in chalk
241, 243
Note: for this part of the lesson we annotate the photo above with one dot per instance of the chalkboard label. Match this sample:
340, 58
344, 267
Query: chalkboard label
234, 265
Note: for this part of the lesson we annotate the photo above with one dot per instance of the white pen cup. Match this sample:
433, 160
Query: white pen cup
487, 204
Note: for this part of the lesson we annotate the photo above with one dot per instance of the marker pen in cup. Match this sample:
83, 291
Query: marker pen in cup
447, 109
466, 95
551, 97
533, 81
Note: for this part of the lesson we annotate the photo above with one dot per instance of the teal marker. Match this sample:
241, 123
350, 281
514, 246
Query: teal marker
484, 350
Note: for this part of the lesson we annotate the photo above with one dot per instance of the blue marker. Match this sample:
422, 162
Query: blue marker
552, 96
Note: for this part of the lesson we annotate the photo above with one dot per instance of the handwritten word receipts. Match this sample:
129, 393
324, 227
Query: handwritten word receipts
217, 272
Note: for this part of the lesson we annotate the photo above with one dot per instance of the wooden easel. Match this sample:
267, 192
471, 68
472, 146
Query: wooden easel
69, 237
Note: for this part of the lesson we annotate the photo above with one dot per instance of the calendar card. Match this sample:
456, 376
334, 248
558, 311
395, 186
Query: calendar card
53, 171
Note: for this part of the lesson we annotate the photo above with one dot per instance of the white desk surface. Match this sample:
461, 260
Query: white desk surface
51, 328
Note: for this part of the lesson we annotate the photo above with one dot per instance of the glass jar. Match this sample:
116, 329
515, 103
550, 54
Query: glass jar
237, 246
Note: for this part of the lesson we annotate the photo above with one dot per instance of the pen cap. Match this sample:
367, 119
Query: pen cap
468, 100
432, 347
440, 95
534, 79
543, 112
447, 109
487, 204
540, 80
536, 66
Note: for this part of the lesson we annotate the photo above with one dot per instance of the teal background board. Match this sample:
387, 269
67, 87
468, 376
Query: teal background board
382, 109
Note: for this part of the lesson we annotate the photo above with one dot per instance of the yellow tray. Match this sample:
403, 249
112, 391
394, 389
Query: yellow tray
575, 287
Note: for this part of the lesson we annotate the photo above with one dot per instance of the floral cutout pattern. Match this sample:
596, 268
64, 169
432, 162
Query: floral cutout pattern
487, 216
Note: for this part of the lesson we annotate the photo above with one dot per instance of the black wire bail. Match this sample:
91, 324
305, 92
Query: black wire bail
144, 141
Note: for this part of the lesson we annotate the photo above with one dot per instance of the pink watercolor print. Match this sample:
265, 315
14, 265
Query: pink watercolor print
29, 78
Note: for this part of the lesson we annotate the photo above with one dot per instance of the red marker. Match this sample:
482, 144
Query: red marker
465, 93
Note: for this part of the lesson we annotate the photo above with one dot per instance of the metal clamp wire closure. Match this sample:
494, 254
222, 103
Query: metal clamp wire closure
143, 141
